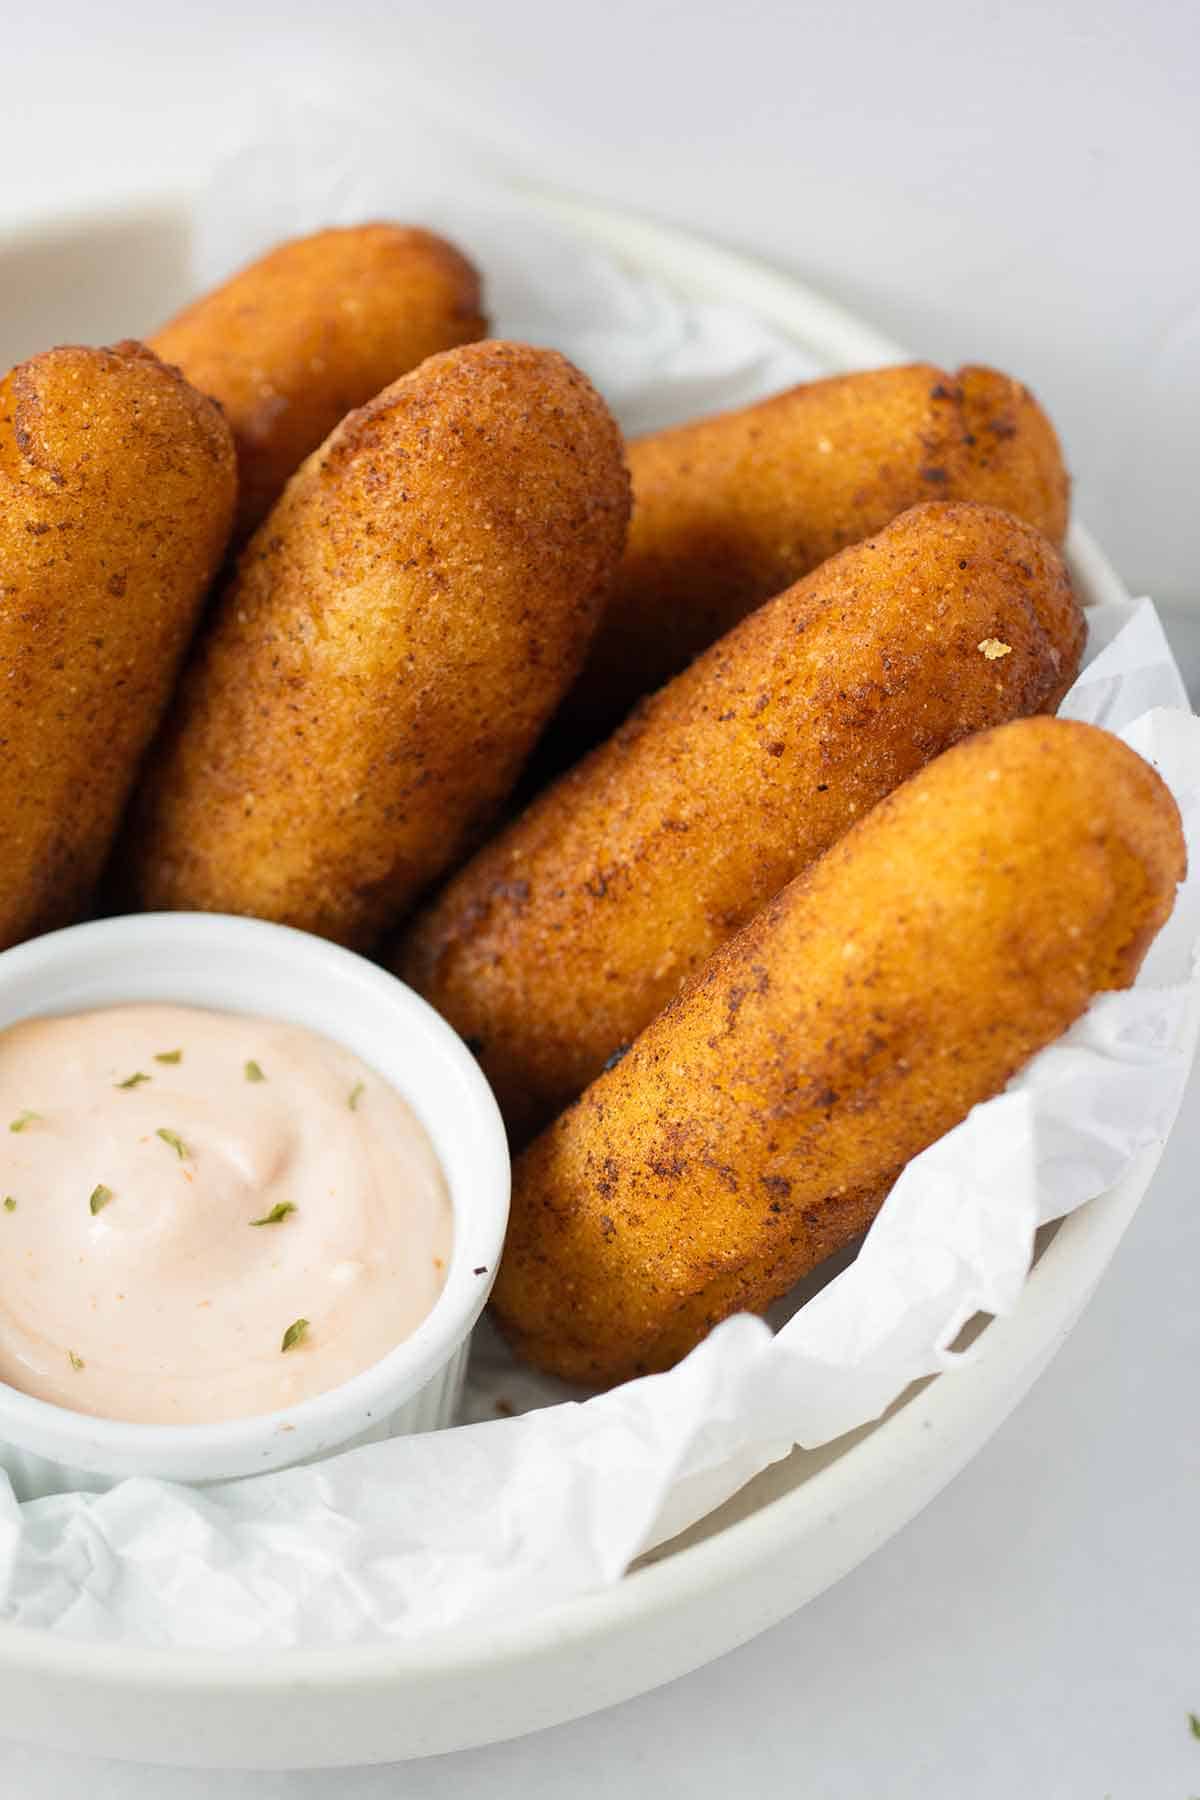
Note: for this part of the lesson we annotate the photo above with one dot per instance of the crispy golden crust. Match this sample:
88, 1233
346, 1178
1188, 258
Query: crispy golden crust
398, 631
117, 491
319, 326
730, 510
757, 1124
1014, 459
569, 932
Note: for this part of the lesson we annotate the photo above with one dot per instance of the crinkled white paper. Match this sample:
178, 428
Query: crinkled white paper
509, 1515
656, 362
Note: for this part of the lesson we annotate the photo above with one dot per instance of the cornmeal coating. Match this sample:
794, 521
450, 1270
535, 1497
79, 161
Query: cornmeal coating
117, 491
757, 1125
1013, 458
730, 510
397, 633
315, 328
566, 934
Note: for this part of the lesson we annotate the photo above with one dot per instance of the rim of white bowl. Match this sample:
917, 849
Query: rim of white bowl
480, 1216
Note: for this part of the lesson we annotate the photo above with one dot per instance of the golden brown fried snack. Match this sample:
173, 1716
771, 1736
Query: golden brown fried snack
317, 327
730, 510
566, 934
758, 1123
1013, 456
396, 635
117, 491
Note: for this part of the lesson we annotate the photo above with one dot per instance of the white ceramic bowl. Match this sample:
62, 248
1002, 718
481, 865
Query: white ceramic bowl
242, 965
799, 1526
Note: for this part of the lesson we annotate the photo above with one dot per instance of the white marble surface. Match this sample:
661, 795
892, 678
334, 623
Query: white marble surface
1012, 183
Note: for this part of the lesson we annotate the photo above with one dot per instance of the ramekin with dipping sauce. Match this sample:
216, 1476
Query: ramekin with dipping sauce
243, 966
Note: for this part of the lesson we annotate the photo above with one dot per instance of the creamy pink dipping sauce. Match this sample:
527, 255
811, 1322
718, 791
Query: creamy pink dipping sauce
134, 1283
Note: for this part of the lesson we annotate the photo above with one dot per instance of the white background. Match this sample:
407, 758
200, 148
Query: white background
1015, 183
1013, 180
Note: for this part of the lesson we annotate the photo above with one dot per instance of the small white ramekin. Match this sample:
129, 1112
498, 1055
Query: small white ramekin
243, 965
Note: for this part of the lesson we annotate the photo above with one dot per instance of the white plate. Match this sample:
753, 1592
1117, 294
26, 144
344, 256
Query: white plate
792, 1532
